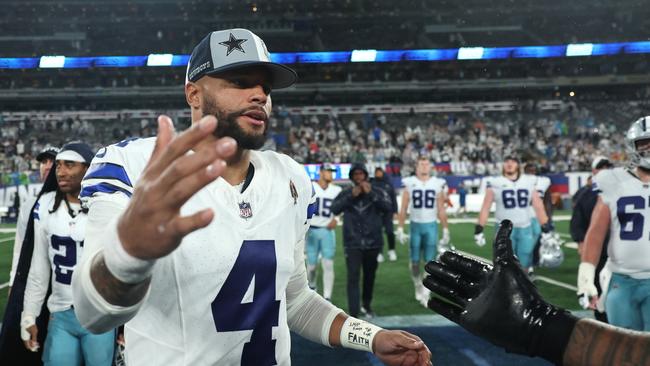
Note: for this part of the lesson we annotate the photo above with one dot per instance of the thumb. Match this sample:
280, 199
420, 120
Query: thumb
502, 250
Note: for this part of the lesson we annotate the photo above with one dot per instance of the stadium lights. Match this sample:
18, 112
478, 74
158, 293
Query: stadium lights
164, 59
370, 55
363, 56
470, 53
51, 62
582, 49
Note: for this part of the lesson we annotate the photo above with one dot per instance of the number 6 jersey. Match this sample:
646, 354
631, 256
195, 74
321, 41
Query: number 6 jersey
58, 244
221, 297
628, 200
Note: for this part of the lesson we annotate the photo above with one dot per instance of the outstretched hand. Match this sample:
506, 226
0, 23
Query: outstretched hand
496, 302
180, 165
400, 348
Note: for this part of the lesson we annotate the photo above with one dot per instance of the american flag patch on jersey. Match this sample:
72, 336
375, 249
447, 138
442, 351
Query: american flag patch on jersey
245, 210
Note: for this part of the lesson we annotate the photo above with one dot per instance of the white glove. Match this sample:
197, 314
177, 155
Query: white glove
479, 239
401, 236
444, 241
586, 287
26, 321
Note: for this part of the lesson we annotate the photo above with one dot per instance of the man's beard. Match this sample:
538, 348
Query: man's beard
227, 126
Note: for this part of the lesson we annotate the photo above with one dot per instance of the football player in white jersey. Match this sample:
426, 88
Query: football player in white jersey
196, 240
59, 228
513, 194
321, 237
425, 197
623, 208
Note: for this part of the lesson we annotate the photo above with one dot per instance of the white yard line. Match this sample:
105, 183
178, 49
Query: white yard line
4, 285
6, 240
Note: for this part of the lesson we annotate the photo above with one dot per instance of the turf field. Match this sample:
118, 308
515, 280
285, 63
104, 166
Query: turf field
396, 307
394, 290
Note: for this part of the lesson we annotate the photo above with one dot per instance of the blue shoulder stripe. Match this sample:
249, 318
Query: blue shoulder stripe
311, 209
35, 211
108, 171
103, 188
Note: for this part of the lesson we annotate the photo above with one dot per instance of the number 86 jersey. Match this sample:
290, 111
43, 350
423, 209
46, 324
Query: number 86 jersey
422, 198
512, 198
628, 200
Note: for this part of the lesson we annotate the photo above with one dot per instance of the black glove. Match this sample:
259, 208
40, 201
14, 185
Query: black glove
499, 303
478, 229
548, 227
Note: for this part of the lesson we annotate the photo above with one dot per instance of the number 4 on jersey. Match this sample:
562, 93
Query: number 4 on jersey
256, 262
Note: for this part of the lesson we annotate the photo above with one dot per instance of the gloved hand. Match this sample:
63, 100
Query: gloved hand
587, 292
28, 331
479, 237
401, 236
480, 299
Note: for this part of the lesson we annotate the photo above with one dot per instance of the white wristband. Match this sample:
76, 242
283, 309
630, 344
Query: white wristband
121, 264
358, 334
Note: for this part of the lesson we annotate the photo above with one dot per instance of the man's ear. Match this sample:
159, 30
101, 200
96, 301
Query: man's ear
193, 95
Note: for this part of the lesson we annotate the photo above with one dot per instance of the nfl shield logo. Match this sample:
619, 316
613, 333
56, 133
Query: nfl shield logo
245, 210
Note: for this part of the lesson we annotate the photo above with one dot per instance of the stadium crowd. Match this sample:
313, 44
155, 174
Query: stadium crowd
461, 144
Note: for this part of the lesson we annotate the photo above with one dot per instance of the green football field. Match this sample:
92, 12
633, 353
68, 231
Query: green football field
393, 288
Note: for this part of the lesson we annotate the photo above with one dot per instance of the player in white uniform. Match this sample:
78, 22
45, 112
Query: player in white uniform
623, 208
228, 293
513, 194
45, 162
542, 186
321, 237
425, 197
59, 228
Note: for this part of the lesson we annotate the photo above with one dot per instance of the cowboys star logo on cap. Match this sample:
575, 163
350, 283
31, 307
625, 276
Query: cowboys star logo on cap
233, 43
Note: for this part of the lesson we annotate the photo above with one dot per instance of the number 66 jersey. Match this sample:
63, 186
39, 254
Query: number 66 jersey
512, 198
222, 296
628, 200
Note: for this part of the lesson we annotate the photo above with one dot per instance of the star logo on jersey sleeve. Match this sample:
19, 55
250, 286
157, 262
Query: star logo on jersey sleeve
233, 43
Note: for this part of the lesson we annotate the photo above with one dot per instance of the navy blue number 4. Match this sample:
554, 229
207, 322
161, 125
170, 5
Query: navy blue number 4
256, 260
68, 260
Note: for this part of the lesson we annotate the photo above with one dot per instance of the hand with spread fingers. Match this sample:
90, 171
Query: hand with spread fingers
498, 302
180, 165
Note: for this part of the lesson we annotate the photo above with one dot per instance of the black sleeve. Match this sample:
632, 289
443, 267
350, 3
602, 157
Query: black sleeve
381, 199
342, 201
579, 221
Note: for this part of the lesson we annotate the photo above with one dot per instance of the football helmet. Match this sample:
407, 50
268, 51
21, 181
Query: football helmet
640, 130
550, 250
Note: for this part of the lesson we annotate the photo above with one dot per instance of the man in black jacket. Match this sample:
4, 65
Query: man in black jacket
364, 207
584, 201
382, 181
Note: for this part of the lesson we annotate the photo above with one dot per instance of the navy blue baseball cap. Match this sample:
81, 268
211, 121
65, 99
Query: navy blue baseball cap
76, 151
48, 152
235, 48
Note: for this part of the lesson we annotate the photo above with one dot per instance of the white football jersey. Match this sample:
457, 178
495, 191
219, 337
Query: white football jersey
628, 200
58, 246
220, 297
513, 198
324, 197
422, 198
541, 186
